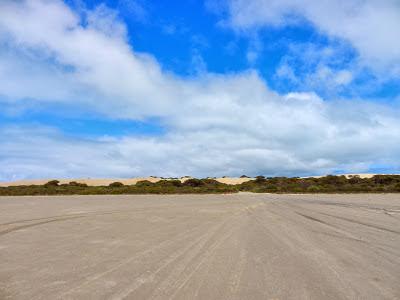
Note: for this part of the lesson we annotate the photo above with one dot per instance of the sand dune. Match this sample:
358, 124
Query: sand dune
130, 181
233, 180
88, 181
107, 181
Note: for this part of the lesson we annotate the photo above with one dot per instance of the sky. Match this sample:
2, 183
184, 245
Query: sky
125, 88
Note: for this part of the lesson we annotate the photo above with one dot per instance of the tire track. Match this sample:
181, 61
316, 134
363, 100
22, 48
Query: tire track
363, 223
176, 281
129, 260
13, 229
194, 247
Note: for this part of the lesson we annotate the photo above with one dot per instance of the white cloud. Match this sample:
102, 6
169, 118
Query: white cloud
371, 26
105, 20
322, 78
328, 78
343, 77
134, 8
99, 66
217, 124
323, 69
293, 135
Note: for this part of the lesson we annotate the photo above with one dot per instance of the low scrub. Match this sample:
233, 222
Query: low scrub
173, 186
327, 184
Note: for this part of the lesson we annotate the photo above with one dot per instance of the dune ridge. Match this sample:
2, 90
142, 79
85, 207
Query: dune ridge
131, 181
107, 181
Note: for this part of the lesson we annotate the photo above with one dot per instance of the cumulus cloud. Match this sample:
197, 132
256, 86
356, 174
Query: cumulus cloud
298, 134
94, 64
216, 124
322, 78
328, 70
371, 26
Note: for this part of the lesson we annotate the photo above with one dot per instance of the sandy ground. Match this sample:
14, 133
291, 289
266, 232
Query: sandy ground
243, 246
107, 181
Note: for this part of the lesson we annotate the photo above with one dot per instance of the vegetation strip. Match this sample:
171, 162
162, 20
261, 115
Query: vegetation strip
327, 184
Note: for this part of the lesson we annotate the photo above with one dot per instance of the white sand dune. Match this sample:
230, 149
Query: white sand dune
233, 180
88, 181
130, 181
107, 181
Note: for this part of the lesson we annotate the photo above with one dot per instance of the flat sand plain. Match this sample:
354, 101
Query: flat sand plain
242, 246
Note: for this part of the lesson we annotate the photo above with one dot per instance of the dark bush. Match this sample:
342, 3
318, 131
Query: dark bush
260, 179
334, 180
314, 189
79, 184
385, 179
355, 179
193, 182
142, 183
116, 184
164, 182
52, 183
175, 182
209, 181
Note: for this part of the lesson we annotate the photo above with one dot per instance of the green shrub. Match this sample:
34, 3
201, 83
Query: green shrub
79, 184
209, 181
260, 179
175, 182
271, 189
193, 182
355, 179
52, 183
143, 183
314, 189
327, 184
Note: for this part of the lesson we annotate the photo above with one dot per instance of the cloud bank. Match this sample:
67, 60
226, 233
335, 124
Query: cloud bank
370, 26
216, 124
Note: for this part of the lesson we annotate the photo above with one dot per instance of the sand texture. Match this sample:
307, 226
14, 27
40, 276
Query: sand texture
240, 246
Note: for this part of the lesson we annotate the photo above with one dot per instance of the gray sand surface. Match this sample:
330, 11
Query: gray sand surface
243, 246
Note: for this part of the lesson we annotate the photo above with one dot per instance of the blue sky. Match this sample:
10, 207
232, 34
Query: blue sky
204, 88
